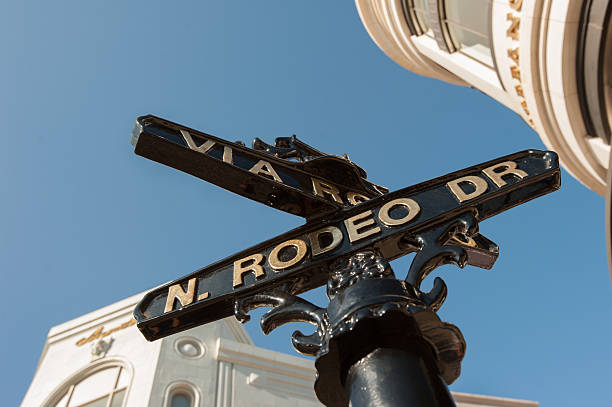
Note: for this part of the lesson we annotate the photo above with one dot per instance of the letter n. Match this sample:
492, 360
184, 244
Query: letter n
175, 292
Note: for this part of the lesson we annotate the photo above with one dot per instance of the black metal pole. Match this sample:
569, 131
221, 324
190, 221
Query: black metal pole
381, 345
392, 377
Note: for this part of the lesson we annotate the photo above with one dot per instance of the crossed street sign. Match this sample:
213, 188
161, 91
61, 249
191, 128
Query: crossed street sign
345, 214
290, 176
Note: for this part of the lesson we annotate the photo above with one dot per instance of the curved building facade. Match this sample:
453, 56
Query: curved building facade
550, 61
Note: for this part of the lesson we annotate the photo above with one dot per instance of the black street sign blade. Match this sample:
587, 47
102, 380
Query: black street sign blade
299, 260
317, 185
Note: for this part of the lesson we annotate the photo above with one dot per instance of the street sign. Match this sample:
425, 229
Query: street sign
300, 260
290, 176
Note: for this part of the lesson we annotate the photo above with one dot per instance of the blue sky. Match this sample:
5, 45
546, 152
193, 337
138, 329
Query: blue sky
84, 222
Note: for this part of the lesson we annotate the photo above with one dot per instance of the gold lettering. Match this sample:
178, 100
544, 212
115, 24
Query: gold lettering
95, 335
204, 148
227, 155
355, 199
513, 30
254, 266
479, 184
315, 244
353, 228
110, 331
411, 205
507, 168
519, 90
126, 324
99, 332
277, 264
516, 72
516, 4
266, 169
203, 296
524, 104
531, 123
321, 189
175, 292
514, 54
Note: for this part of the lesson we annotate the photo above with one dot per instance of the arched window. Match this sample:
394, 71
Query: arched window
181, 400
417, 14
469, 24
182, 394
101, 385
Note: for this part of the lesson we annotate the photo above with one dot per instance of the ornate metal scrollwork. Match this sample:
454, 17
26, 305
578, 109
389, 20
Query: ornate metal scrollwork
288, 147
287, 308
435, 248
359, 267
435, 251
372, 308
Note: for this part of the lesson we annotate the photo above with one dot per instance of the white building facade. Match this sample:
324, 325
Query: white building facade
101, 360
550, 61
